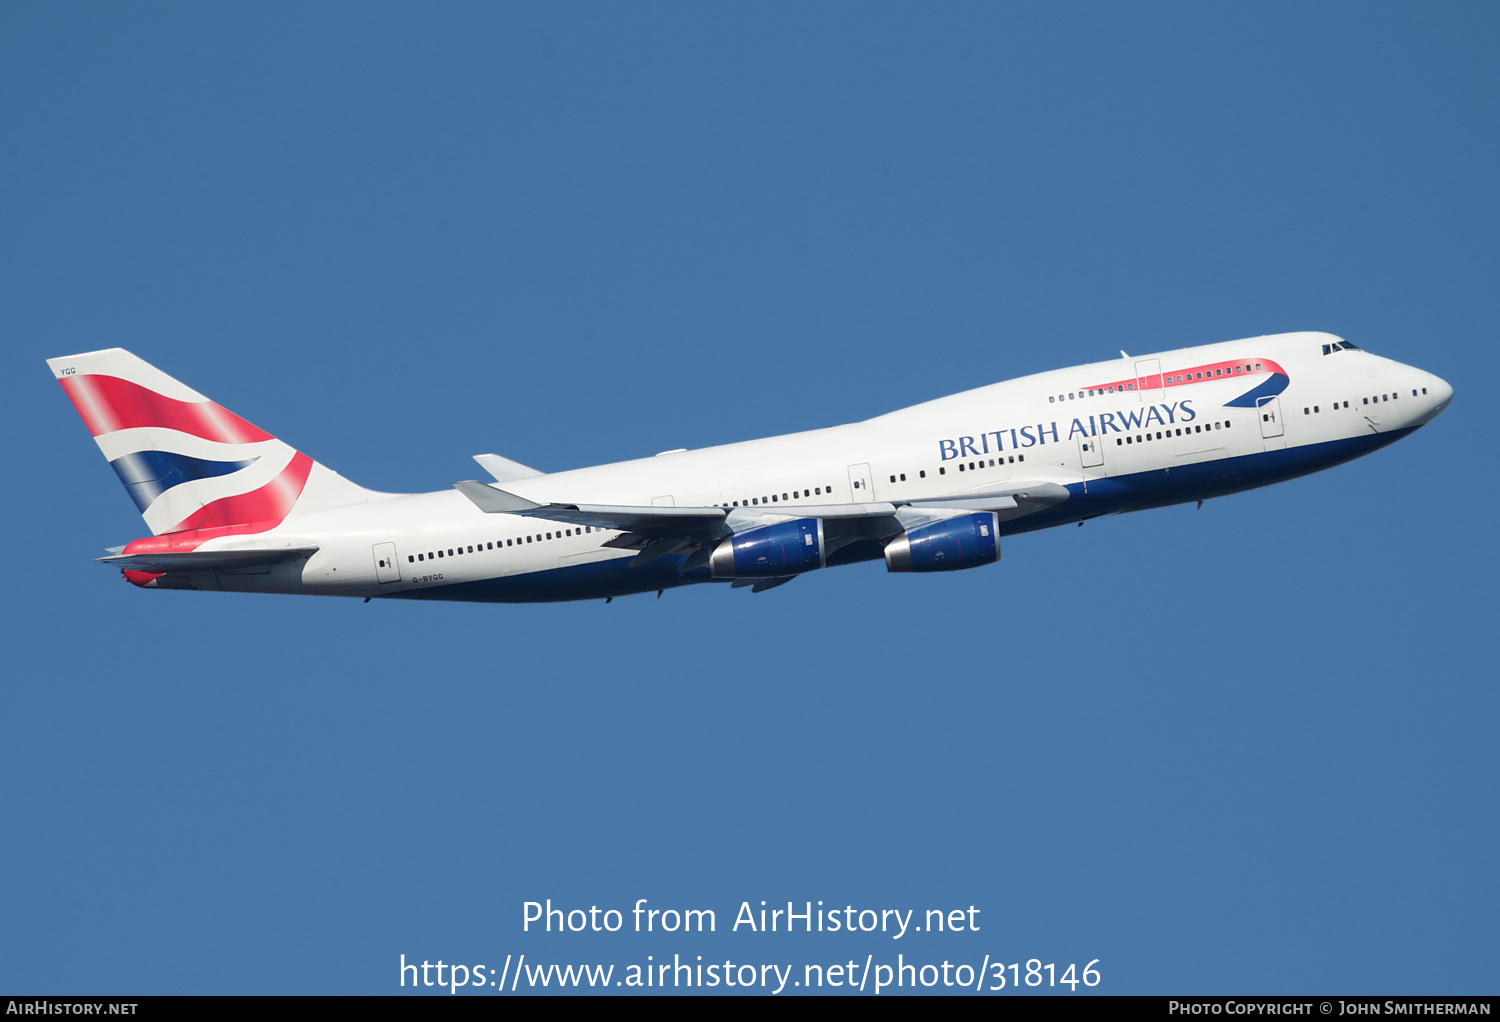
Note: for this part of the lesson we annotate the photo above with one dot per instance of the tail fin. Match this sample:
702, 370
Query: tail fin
188, 463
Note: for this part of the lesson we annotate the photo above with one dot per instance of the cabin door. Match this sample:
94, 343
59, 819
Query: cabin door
386, 569
1269, 409
859, 484
1090, 452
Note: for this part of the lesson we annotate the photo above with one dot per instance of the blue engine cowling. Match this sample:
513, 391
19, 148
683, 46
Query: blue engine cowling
966, 541
785, 548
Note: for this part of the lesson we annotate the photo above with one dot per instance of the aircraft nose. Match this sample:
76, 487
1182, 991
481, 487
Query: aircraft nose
1441, 391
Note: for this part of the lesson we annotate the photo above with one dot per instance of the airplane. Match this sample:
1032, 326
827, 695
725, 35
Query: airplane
932, 487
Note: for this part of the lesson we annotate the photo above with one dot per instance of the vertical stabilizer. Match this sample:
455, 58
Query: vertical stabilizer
188, 463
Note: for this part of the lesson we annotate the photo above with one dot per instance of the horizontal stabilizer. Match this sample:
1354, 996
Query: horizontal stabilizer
504, 470
168, 561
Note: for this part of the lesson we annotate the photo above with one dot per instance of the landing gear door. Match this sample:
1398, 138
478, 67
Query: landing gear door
1089, 451
1269, 409
386, 569
859, 484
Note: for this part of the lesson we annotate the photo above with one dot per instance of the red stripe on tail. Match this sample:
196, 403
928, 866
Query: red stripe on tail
108, 403
269, 504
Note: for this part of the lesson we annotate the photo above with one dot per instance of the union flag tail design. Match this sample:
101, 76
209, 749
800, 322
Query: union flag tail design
190, 465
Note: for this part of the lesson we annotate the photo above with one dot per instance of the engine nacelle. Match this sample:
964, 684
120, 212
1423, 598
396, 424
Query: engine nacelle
965, 541
785, 548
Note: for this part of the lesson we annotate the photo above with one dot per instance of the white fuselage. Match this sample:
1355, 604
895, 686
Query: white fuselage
1150, 441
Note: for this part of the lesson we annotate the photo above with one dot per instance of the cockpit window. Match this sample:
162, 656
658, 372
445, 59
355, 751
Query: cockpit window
1340, 346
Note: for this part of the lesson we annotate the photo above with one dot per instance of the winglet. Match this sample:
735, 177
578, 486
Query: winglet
493, 500
504, 470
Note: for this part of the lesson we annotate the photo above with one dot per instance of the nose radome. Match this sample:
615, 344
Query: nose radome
1441, 391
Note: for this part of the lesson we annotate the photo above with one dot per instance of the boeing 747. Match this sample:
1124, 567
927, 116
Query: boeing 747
933, 487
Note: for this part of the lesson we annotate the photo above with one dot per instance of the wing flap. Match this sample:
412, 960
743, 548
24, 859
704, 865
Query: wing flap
650, 528
493, 500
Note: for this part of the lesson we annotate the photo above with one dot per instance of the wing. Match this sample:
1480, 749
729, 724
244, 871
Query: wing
493, 500
657, 531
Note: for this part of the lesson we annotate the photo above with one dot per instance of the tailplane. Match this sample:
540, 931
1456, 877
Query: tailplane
189, 464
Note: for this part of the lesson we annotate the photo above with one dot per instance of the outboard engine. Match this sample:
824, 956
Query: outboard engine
784, 548
964, 541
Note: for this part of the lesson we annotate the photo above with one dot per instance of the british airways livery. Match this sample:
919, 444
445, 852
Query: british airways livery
932, 487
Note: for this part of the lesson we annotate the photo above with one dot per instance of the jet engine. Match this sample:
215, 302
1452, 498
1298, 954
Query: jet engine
964, 541
784, 548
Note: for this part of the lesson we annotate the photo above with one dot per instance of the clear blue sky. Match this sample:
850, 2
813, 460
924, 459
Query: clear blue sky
1248, 748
